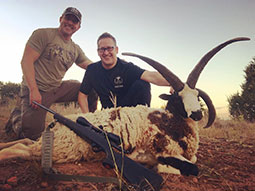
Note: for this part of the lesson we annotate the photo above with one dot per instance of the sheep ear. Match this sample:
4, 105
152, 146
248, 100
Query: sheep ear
165, 96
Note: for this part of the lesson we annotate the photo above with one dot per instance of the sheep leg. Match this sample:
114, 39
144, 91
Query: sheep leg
185, 167
144, 157
25, 141
17, 150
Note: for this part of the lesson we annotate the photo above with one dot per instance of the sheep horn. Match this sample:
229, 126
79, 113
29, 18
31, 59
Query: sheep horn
210, 106
174, 81
194, 75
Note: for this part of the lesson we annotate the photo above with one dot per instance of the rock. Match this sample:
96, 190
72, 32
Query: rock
13, 181
195, 180
44, 185
6, 187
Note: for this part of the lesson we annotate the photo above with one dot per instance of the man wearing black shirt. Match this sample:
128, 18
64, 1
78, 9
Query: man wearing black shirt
117, 83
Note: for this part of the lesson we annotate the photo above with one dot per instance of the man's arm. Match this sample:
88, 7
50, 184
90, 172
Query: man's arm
27, 64
85, 64
155, 78
83, 102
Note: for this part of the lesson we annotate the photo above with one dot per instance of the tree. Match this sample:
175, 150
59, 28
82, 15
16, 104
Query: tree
243, 105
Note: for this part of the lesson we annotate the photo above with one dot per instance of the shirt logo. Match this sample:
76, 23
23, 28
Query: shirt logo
118, 82
60, 55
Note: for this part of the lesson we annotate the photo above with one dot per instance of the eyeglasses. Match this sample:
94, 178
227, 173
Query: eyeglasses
109, 49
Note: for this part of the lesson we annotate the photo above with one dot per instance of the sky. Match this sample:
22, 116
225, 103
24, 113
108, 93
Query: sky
176, 33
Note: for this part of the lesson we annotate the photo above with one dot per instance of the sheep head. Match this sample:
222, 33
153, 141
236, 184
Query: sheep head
185, 100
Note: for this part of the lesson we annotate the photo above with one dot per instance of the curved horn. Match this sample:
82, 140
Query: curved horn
194, 75
174, 81
211, 109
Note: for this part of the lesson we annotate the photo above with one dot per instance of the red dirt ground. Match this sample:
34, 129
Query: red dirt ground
224, 166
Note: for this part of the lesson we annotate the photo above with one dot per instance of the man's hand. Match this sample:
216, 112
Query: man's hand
35, 96
171, 90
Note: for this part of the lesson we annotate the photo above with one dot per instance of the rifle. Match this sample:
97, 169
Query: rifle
135, 173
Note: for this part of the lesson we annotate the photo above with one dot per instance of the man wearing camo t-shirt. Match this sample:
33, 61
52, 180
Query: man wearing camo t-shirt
48, 54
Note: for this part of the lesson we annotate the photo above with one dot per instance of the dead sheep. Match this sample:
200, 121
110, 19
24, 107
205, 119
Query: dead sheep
157, 137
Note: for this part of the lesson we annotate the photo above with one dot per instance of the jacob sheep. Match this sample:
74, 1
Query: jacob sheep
163, 138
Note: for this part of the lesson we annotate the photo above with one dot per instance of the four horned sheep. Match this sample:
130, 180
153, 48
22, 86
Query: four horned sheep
153, 136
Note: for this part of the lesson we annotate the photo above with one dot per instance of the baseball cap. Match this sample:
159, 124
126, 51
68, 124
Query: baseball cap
73, 11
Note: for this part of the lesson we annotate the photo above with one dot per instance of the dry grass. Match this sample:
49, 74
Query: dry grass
6, 107
222, 128
5, 110
230, 129
62, 110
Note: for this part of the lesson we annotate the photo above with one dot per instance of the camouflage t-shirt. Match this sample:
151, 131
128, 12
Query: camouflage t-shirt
56, 57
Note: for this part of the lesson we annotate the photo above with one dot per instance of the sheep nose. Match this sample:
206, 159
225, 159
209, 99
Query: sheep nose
196, 115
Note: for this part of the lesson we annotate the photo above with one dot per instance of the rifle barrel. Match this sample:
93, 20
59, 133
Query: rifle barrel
43, 107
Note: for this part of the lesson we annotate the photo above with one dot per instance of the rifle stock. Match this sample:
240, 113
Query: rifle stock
133, 172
